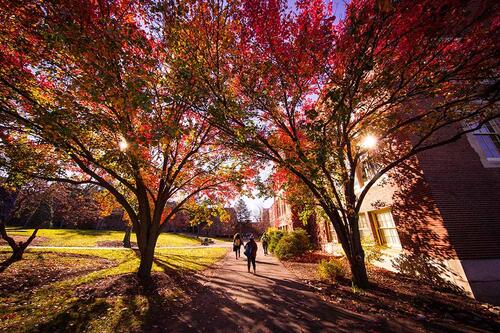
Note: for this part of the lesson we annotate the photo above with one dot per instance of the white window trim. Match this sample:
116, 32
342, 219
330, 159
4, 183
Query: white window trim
487, 162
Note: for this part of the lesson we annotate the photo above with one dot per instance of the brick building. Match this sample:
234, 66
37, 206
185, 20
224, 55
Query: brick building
281, 216
437, 215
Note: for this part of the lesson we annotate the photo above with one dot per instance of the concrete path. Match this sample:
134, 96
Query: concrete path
273, 300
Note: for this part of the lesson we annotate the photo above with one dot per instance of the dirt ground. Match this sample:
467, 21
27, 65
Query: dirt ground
37, 241
401, 299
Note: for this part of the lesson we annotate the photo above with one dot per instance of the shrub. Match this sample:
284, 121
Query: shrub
274, 235
292, 244
331, 270
373, 251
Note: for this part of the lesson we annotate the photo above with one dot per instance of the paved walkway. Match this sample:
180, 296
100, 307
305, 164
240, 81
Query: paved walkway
272, 301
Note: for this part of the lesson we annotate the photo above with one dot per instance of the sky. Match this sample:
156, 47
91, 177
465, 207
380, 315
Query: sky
337, 5
256, 204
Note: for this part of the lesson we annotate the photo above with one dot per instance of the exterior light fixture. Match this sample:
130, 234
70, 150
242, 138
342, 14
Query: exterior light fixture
369, 142
123, 144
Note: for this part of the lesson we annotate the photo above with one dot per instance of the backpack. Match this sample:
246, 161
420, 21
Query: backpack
248, 250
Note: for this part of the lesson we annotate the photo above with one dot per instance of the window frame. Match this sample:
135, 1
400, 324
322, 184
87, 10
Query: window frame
483, 144
366, 227
381, 230
491, 131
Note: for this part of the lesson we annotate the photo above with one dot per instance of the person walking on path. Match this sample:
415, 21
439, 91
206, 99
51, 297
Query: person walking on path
265, 243
237, 243
251, 253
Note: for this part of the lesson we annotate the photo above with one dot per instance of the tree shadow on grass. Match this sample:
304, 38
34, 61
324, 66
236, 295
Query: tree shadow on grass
75, 318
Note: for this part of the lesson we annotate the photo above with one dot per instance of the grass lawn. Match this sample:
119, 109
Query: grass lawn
71, 237
87, 290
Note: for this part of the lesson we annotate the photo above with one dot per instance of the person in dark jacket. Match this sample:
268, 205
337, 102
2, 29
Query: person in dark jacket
251, 253
237, 243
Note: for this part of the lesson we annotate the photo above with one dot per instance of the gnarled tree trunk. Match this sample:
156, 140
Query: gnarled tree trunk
17, 248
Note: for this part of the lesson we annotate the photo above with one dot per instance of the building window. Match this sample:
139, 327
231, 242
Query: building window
369, 168
331, 235
488, 137
335, 238
364, 227
387, 229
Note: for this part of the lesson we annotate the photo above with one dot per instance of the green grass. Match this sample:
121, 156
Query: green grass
128, 261
72, 237
56, 306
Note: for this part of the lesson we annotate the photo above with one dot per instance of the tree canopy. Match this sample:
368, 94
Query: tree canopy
160, 101
91, 94
320, 97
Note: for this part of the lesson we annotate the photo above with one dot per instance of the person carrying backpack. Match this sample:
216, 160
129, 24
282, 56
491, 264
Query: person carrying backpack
237, 243
265, 242
251, 253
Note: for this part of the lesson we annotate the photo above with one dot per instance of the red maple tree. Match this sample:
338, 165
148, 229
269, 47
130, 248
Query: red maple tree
91, 93
319, 97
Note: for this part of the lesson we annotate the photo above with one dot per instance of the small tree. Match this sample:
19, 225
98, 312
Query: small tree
243, 214
29, 199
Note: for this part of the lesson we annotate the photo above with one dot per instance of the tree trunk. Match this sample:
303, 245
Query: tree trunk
17, 249
147, 257
357, 257
351, 244
146, 242
126, 237
358, 271
17, 254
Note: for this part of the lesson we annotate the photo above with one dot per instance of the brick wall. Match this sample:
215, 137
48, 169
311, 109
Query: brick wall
468, 197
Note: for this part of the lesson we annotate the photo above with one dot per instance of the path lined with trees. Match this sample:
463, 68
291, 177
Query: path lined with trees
157, 108
228, 299
273, 300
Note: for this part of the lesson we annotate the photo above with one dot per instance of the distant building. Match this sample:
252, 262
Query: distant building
264, 218
281, 216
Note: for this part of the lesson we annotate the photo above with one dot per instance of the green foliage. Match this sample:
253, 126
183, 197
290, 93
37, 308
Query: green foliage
274, 235
373, 251
292, 244
204, 211
331, 270
305, 214
243, 214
